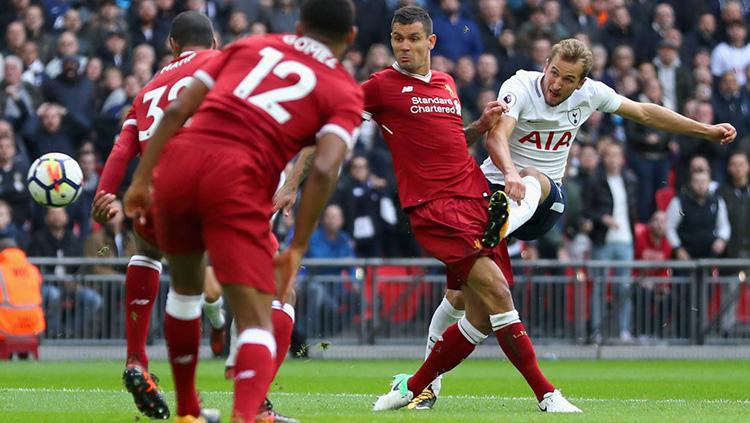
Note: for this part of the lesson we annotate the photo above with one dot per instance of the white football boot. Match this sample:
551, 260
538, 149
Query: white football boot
399, 395
555, 402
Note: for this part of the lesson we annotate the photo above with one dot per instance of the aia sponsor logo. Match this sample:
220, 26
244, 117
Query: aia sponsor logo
554, 140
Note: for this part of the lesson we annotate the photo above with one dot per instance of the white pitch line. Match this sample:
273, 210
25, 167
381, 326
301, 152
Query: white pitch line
369, 396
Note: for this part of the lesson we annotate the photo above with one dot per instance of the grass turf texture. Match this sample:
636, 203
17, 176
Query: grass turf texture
343, 391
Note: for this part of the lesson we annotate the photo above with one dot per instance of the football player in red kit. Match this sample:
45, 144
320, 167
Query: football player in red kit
192, 42
444, 194
253, 107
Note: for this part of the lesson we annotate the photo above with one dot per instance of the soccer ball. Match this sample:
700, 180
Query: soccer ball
54, 180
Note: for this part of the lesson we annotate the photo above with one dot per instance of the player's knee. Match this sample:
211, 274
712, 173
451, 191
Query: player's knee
456, 299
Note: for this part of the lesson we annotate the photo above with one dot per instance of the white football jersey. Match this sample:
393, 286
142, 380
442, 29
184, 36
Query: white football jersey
543, 134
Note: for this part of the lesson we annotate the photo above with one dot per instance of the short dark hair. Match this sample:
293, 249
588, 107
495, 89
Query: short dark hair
332, 19
192, 28
410, 14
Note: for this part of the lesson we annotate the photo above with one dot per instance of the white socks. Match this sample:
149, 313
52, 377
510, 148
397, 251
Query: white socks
520, 214
469, 332
501, 320
444, 316
214, 312
183, 307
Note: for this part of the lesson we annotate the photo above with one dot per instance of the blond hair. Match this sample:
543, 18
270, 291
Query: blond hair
573, 51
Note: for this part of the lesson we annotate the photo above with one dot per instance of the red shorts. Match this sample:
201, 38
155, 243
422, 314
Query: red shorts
450, 229
218, 201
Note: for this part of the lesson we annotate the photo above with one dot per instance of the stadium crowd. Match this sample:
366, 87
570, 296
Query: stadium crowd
70, 69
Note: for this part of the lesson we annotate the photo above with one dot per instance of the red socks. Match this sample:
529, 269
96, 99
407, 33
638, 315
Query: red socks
516, 344
253, 372
283, 323
456, 343
141, 290
182, 330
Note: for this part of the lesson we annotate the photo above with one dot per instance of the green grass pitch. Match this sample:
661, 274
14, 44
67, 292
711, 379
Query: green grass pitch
343, 391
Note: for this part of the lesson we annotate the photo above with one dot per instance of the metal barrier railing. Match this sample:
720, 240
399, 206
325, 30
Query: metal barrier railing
374, 301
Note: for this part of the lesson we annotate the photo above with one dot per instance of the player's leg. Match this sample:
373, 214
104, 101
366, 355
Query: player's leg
142, 282
213, 308
506, 216
448, 312
182, 331
255, 365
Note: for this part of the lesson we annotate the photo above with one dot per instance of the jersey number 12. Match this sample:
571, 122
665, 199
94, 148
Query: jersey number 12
269, 101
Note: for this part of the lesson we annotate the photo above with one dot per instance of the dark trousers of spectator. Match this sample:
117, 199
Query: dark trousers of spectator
652, 175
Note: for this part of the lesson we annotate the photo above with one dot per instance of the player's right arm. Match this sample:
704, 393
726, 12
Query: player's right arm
499, 150
658, 117
124, 150
138, 196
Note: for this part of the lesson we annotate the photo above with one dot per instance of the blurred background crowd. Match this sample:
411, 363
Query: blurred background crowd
70, 69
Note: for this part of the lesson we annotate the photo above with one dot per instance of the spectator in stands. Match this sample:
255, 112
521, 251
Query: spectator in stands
8, 229
619, 30
599, 69
697, 221
15, 38
676, 81
359, 196
33, 20
731, 104
512, 57
72, 23
732, 55
648, 154
115, 51
113, 94
539, 52
147, 30
13, 181
114, 239
579, 18
283, 16
487, 70
34, 73
653, 297
650, 35
373, 22
18, 99
237, 27
67, 45
492, 20
552, 11
459, 36
324, 290
108, 19
623, 63
74, 92
610, 204
536, 27
703, 36
53, 130
694, 154
56, 240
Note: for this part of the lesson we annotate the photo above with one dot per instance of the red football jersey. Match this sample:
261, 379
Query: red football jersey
146, 113
272, 95
421, 121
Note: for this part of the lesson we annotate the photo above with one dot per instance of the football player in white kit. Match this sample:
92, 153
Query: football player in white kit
528, 152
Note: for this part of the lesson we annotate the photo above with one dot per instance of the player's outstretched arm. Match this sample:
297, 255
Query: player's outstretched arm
285, 197
329, 154
498, 148
489, 118
124, 150
658, 117
138, 196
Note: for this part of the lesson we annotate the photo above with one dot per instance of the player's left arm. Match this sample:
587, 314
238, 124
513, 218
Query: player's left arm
489, 118
285, 197
138, 196
658, 117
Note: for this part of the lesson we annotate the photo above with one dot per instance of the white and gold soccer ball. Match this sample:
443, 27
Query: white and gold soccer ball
54, 180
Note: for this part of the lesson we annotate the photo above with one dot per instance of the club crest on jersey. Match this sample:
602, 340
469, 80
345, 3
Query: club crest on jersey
574, 116
450, 91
